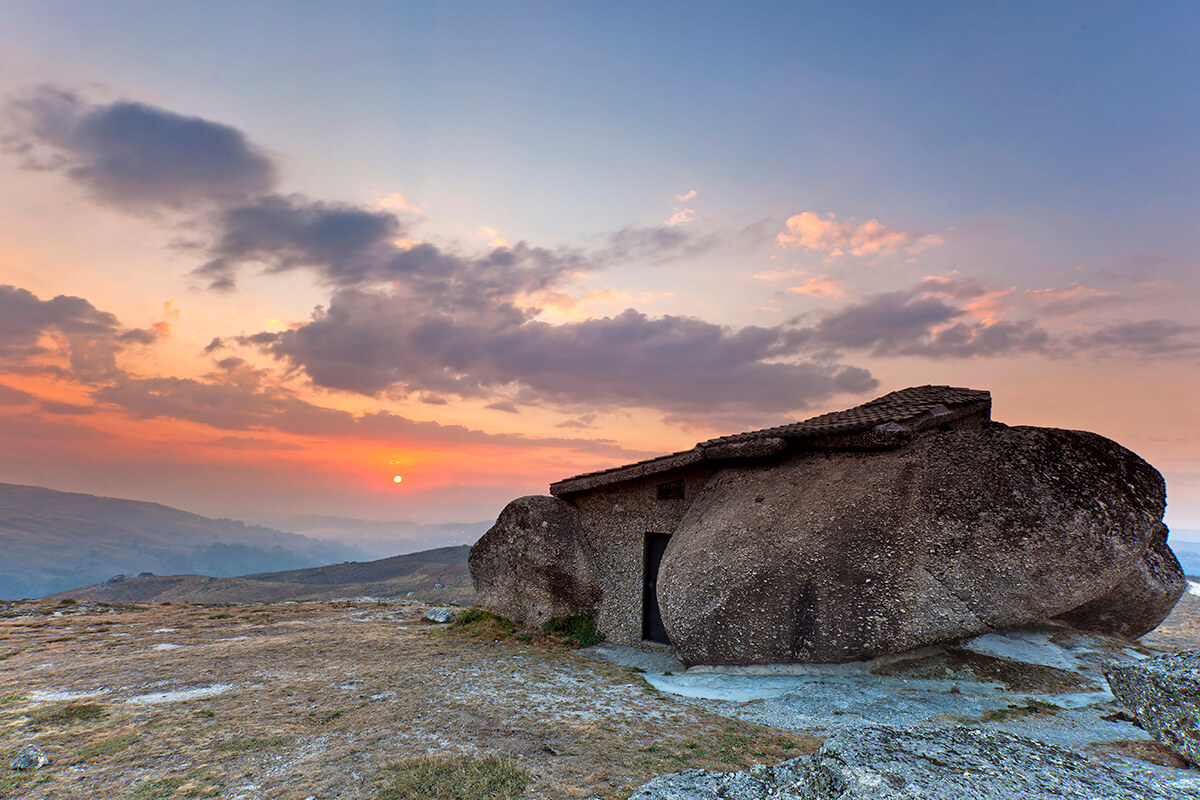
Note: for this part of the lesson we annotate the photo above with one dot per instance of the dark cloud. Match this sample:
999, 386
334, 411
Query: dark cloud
349, 246
368, 342
1149, 338
93, 338
66, 409
911, 323
15, 397
507, 408
427, 320
341, 242
136, 156
884, 322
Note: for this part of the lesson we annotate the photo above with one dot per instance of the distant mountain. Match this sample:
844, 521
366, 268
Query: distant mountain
433, 575
1188, 552
51, 540
380, 538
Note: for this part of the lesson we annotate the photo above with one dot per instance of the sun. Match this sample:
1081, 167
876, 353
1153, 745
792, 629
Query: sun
397, 479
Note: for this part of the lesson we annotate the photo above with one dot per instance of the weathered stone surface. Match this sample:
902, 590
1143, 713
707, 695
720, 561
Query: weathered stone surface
534, 564
1142, 599
882, 763
841, 555
440, 615
1164, 694
29, 757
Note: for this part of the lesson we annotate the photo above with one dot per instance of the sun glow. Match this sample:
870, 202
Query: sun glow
397, 479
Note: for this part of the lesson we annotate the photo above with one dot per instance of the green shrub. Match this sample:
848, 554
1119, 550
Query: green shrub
579, 629
455, 778
74, 712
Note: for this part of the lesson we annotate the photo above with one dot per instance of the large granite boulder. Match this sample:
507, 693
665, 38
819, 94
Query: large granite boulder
1164, 694
882, 763
1142, 599
534, 563
840, 555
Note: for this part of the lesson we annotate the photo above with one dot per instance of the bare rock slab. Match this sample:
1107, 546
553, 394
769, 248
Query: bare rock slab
1164, 694
883, 763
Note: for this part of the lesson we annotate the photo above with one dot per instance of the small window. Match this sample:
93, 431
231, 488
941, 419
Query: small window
670, 491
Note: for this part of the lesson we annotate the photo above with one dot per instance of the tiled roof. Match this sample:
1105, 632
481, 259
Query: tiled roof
897, 407
907, 407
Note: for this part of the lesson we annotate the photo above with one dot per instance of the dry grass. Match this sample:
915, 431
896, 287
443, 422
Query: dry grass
455, 778
321, 698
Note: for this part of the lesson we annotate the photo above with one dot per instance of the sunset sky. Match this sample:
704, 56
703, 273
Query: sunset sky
260, 258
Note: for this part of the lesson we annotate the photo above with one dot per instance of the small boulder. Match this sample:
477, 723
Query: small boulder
29, 757
1164, 694
440, 615
534, 563
116, 579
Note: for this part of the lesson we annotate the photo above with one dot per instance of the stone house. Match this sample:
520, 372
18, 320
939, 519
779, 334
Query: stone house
751, 548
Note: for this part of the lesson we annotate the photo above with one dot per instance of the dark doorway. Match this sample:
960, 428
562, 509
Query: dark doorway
652, 624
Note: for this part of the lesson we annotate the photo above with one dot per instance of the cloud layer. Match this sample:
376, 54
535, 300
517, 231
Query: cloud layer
830, 235
136, 156
437, 321
33, 332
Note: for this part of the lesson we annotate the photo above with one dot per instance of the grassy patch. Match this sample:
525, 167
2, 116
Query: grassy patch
11, 780
578, 629
12, 698
196, 783
107, 747
477, 622
222, 615
1031, 708
455, 778
244, 743
72, 712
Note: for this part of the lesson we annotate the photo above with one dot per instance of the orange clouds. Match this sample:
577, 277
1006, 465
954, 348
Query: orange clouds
396, 201
682, 215
836, 238
820, 286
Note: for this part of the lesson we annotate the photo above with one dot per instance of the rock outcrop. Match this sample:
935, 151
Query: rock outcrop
534, 563
842, 555
1142, 599
882, 763
1164, 694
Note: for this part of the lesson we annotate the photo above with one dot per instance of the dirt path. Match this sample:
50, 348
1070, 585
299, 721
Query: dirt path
297, 701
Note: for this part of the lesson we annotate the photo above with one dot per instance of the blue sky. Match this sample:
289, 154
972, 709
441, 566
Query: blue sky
867, 176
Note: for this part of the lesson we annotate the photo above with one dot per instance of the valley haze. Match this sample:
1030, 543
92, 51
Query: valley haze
54, 541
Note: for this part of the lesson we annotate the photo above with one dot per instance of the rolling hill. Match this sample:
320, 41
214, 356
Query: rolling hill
438, 575
52, 540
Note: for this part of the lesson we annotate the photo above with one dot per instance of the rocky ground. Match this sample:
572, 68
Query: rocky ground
316, 700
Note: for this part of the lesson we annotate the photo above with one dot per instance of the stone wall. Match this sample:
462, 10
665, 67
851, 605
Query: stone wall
615, 520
